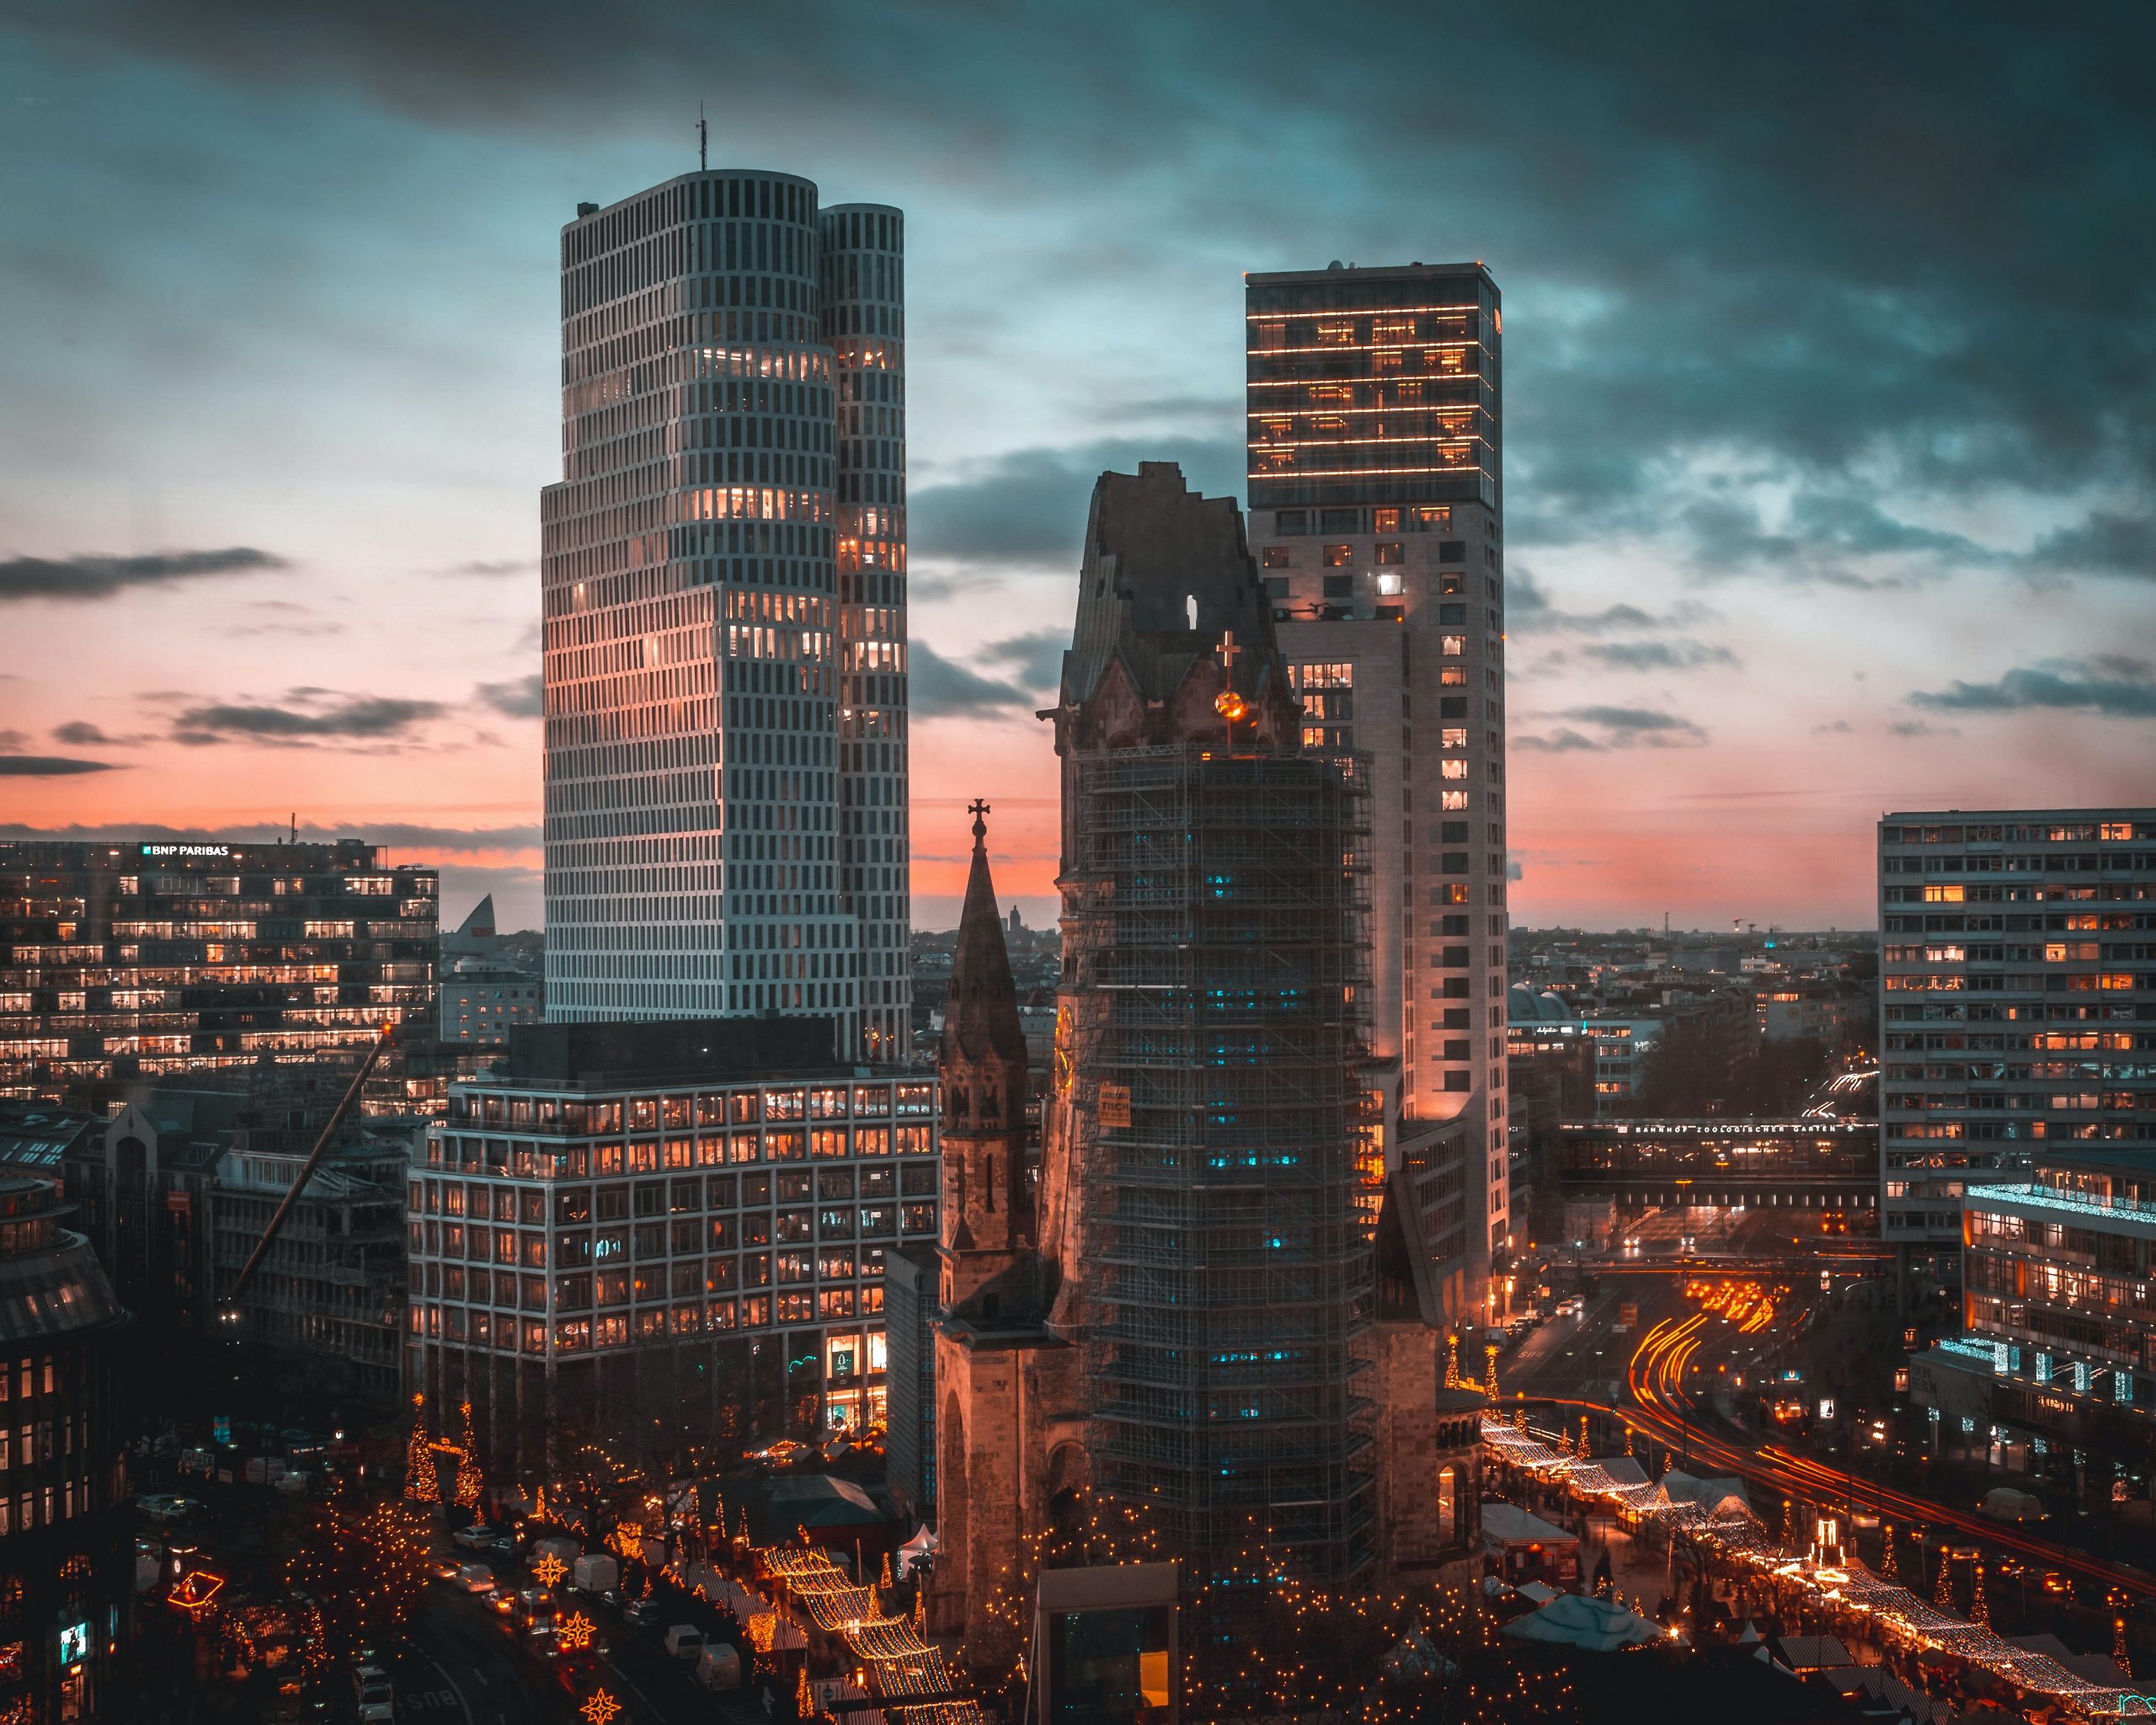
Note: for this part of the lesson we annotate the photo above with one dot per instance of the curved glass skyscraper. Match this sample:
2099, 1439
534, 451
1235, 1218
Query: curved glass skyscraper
723, 581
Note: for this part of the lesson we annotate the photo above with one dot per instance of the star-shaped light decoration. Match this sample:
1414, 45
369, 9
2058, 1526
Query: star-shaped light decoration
576, 1634
550, 1569
602, 1709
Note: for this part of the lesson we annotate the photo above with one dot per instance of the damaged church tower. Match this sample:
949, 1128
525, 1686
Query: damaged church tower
1186, 1316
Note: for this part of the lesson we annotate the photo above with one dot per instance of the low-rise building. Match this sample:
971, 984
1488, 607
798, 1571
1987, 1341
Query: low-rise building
688, 1219
2057, 1357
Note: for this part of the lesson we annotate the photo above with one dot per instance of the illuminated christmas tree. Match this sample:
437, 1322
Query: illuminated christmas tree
1628, 1441
1452, 1361
2120, 1656
420, 1484
1979, 1607
1490, 1372
469, 1483
1519, 1419
1943, 1594
1886, 1566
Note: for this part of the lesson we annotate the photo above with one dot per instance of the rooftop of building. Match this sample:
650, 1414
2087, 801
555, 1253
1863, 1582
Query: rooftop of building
1395, 272
616, 1055
51, 1281
2062, 815
191, 856
37, 1135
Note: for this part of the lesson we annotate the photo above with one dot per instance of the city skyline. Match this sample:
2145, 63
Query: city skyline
1804, 528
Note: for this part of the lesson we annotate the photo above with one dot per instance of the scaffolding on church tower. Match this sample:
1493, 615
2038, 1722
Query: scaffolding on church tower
1222, 1036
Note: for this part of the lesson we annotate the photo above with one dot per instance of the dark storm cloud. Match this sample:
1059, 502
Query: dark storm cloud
2109, 686
1680, 653
942, 689
83, 735
1037, 657
1528, 609
1864, 257
1615, 728
483, 566
97, 577
310, 716
2104, 544
1028, 506
524, 697
49, 766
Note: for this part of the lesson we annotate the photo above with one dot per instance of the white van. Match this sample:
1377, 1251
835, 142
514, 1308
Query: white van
685, 1640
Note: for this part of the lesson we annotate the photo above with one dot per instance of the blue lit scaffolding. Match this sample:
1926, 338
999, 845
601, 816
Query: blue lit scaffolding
1222, 1036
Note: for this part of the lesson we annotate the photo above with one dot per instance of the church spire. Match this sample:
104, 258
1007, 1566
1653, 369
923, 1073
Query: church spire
981, 1020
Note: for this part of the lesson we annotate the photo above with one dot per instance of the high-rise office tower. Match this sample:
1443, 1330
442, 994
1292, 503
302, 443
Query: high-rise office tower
1376, 511
2017, 1003
724, 574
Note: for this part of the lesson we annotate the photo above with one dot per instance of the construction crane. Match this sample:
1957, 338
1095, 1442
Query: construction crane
231, 1311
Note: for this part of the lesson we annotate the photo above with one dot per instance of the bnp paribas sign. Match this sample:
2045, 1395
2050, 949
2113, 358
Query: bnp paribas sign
187, 850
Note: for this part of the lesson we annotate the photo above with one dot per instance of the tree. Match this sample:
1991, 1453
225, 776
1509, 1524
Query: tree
363, 1574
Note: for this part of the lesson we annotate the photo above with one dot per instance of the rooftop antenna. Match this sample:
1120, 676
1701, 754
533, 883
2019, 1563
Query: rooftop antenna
703, 141
296, 826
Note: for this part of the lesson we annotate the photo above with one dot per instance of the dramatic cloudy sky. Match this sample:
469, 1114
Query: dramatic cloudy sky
1830, 430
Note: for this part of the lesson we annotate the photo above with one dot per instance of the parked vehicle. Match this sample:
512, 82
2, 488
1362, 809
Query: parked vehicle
376, 1700
295, 1485
640, 1614
473, 1578
2004, 1503
474, 1539
595, 1573
685, 1640
718, 1666
264, 1470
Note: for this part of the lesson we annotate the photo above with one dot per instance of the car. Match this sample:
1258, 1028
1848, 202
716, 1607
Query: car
473, 1578
639, 1613
505, 1547
474, 1539
373, 1695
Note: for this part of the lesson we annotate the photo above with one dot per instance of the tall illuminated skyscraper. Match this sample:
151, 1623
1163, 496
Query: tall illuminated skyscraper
724, 574
1377, 515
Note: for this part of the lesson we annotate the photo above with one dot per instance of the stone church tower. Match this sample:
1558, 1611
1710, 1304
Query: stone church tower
1006, 1440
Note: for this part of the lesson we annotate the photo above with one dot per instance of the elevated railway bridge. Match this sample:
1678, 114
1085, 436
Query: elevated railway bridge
1806, 1164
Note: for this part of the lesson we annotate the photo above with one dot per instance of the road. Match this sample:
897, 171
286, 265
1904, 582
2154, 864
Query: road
1679, 1350
463, 1666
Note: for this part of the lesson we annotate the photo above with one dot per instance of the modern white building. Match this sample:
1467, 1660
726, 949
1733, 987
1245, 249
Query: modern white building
2017, 979
1376, 514
724, 580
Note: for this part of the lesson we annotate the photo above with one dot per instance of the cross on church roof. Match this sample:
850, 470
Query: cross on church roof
978, 809
1227, 651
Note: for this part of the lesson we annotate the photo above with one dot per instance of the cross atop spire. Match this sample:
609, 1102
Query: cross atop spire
1228, 652
979, 810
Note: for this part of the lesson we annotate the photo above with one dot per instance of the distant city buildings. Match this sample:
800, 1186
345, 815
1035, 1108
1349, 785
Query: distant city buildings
724, 594
1375, 421
2017, 1002
126, 961
684, 1220
483, 991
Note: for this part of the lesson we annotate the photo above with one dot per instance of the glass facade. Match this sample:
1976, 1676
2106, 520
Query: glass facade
1374, 432
726, 744
555, 1230
125, 960
2017, 984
